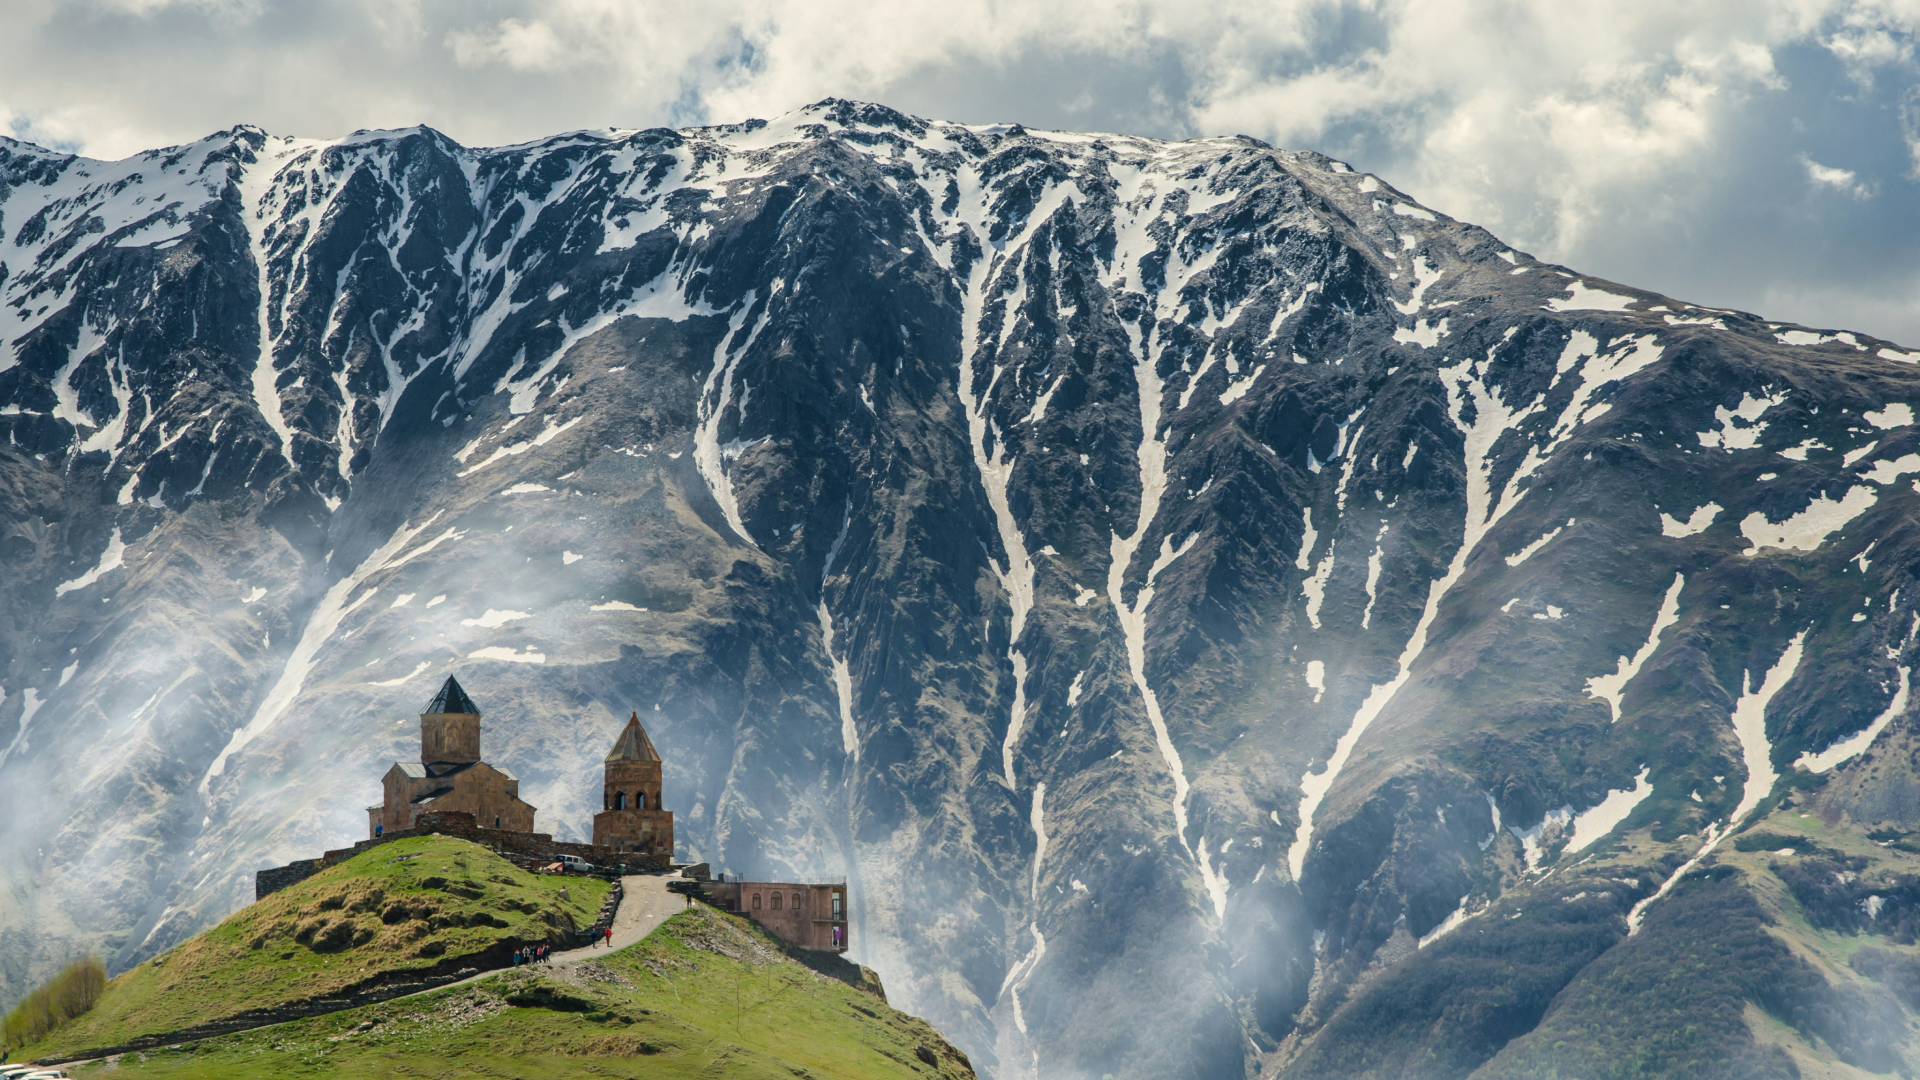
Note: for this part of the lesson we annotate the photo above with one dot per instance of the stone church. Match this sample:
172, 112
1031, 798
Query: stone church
450, 775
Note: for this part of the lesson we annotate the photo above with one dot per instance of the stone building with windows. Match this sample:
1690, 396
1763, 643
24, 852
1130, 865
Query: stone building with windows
631, 817
449, 775
810, 916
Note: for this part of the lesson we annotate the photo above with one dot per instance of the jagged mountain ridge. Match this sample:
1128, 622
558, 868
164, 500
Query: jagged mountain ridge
1016, 522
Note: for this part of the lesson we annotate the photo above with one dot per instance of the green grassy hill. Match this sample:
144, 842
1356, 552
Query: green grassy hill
396, 912
706, 993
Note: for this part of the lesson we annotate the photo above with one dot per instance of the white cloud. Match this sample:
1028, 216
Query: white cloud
1872, 35
1844, 181
520, 45
1604, 136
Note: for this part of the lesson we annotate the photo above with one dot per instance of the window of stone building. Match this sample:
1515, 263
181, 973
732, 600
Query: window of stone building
796, 901
776, 901
756, 901
620, 800
643, 800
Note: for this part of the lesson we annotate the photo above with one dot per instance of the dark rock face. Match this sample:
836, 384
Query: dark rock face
1173, 583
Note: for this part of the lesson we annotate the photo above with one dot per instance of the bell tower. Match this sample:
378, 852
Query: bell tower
631, 817
450, 728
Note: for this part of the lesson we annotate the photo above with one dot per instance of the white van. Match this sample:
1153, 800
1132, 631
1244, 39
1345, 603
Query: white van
575, 864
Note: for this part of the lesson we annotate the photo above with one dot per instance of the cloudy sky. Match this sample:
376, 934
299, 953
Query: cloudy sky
1758, 154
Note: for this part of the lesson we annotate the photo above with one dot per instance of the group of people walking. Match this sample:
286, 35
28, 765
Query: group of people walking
543, 954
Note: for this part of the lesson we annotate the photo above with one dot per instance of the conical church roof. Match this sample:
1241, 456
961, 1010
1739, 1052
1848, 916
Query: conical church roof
452, 699
633, 744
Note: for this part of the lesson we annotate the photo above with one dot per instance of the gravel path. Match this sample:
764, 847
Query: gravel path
645, 903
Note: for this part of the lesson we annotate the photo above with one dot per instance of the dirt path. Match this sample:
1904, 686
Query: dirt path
645, 903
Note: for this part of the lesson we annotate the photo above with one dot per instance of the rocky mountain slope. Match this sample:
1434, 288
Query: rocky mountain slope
1190, 590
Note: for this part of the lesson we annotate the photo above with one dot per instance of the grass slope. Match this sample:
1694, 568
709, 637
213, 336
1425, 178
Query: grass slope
407, 906
707, 994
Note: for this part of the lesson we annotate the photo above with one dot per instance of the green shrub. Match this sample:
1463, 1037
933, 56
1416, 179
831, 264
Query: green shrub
67, 995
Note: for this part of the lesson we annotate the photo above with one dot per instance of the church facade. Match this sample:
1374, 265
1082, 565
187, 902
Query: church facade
450, 775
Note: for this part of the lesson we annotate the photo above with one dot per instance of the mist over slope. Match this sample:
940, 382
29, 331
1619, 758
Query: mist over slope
1193, 592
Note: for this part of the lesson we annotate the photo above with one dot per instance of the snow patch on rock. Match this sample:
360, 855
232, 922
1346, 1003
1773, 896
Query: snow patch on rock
1857, 744
1808, 529
1448, 924
1750, 726
110, 560
1582, 297
503, 652
1740, 427
1527, 552
495, 618
1612, 688
1591, 824
1696, 522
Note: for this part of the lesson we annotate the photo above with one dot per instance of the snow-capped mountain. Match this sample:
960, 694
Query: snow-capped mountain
1222, 616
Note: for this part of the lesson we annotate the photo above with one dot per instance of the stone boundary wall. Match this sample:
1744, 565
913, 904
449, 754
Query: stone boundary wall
268, 882
526, 850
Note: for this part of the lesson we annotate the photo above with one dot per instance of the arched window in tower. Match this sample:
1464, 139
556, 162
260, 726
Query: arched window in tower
643, 800
620, 800
776, 901
756, 901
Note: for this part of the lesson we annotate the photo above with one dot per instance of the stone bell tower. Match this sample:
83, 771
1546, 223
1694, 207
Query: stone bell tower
631, 817
450, 728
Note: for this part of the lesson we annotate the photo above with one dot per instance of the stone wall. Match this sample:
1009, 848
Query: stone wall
634, 830
524, 849
268, 882
449, 737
